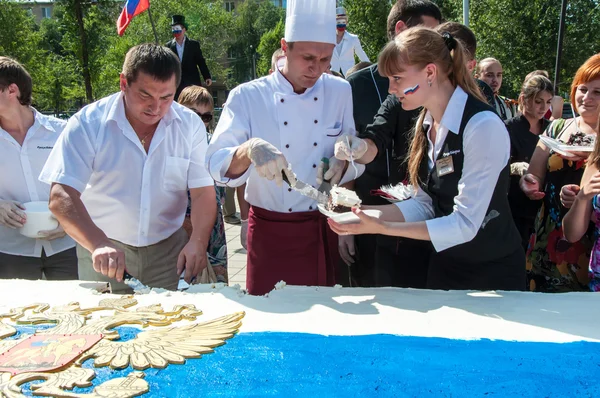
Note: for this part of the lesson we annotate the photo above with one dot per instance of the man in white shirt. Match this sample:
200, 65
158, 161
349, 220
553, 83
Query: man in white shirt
26, 138
120, 173
293, 115
347, 45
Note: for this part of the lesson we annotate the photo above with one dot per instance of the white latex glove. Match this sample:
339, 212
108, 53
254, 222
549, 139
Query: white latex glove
349, 147
244, 234
334, 173
346, 248
268, 161
52, 234
518, 168
11, 214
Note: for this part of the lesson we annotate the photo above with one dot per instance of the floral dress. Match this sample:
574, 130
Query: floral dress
553, 263
594, 271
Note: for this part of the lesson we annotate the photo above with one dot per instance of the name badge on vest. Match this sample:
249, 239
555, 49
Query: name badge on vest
444, 166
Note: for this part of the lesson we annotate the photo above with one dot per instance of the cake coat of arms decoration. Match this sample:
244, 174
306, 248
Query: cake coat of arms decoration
55, 355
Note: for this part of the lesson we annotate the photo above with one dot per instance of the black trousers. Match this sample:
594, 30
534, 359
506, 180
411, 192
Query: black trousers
506, 273
401, 262
362, 272
60, 266
525, 227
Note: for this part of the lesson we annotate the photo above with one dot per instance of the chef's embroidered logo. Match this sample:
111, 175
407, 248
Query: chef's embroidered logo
45, 147
454, 152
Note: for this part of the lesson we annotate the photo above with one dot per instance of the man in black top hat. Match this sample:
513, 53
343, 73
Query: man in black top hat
189, 54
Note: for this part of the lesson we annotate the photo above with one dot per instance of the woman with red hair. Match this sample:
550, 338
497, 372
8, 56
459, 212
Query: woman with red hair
553, 263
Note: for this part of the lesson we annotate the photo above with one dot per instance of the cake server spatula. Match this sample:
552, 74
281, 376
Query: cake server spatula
307, 190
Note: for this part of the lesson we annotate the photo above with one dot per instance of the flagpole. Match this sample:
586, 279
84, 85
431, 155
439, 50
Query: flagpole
153, 27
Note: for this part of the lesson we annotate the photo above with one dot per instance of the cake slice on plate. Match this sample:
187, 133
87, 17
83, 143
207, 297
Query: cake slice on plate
342, 200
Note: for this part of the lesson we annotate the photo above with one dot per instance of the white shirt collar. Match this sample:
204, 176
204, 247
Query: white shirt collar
43, 120
285, 87
453, 114
39, 119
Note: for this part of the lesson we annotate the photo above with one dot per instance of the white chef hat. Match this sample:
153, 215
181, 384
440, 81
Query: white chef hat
310, 20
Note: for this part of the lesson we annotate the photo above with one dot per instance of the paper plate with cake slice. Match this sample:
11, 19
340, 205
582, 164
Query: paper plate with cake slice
339, 207
585, 144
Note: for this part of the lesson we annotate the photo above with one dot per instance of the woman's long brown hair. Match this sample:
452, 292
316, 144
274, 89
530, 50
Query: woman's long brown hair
421, 46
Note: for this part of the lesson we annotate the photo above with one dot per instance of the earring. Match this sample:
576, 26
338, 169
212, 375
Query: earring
429, 82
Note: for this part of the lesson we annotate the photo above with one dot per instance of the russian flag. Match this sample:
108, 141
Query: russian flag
131, 9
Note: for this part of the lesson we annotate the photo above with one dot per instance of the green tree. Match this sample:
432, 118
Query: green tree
368, 20
253, 18
269, 42
208, 22
21, 39
523, 35
85, 27
19, 35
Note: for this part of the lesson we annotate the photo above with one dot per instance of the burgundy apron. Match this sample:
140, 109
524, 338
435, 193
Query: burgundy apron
298, 248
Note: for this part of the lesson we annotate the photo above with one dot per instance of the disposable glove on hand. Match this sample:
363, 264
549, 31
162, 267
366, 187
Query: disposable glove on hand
334, 171
348, 147
347, 248
244, 234
268, 161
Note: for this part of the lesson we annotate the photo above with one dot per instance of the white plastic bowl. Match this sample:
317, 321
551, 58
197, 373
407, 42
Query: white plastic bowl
39, 218
348, 217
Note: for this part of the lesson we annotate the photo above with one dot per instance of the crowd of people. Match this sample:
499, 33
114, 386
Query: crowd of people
137, 180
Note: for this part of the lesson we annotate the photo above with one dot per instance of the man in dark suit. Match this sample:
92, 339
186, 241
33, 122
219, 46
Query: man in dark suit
189, 54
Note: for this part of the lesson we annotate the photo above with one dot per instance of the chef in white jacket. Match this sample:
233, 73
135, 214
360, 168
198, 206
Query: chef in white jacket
347, 45
291, 117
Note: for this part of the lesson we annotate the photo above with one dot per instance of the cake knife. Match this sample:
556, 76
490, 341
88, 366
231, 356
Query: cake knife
134, 283
307, 190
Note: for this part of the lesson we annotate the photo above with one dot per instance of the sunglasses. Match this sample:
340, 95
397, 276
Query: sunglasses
206, 117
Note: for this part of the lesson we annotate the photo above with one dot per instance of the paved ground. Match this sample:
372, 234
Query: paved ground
237, 256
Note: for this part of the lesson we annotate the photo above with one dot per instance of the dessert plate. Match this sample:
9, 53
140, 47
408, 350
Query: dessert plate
562, 148
347, 217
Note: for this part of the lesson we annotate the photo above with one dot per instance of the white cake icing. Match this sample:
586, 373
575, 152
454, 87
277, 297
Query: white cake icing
344, 197
358, 311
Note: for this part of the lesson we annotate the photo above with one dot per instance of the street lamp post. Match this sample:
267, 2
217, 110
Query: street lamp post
561, 35
253, 62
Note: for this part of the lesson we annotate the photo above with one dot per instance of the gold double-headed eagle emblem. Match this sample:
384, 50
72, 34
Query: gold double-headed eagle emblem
55, 355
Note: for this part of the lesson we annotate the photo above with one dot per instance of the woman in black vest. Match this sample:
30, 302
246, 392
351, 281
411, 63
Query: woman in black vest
459, 162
